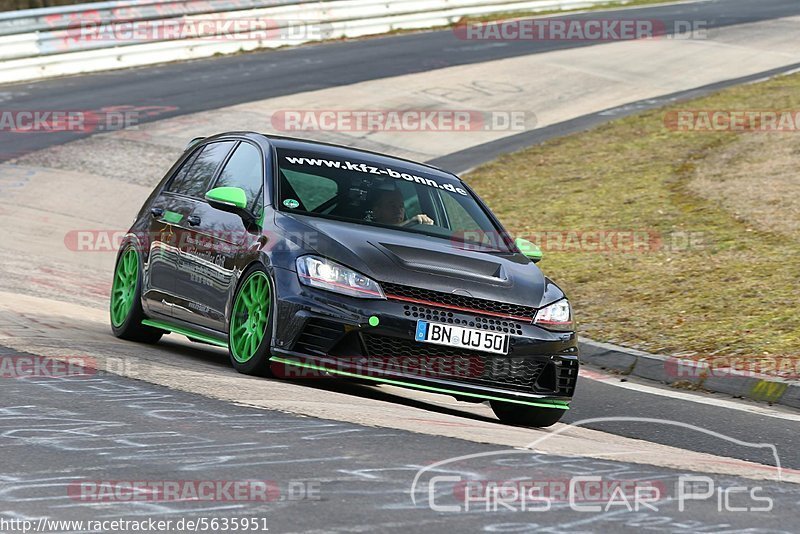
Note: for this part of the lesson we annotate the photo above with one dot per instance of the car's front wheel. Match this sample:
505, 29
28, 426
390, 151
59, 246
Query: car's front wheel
521, 415
126, 300
251, 319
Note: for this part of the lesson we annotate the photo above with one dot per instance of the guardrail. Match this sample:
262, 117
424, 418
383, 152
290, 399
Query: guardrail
81, 38
63, 17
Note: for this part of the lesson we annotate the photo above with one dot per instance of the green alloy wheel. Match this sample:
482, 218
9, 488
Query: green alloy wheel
126, 301
248, 339
124, 289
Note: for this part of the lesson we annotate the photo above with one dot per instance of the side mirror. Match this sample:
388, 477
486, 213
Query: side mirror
528, 249
232, 199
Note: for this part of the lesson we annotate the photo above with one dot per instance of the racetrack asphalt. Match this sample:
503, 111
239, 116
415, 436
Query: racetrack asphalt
224, 81
346, 498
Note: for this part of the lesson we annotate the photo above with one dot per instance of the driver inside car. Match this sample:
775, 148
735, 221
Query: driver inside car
389, 208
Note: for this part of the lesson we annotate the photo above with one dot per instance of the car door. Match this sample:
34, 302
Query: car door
218, 240
171, 213
167, 212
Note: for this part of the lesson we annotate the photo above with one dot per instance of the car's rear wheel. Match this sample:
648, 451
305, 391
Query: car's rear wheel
251, 319
521, 415
126, 300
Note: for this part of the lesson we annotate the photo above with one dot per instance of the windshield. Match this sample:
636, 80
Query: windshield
390, 196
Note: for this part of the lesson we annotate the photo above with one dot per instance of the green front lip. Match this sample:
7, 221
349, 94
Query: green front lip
555, 404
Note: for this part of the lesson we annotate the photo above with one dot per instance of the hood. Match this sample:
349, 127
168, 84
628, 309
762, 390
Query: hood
406, 258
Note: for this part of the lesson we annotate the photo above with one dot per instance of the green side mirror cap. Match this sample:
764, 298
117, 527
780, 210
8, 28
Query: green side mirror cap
233, 197
529, 249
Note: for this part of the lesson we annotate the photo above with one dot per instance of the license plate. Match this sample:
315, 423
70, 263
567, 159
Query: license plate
463, 338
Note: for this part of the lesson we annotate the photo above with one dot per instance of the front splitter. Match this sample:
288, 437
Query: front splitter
555, 404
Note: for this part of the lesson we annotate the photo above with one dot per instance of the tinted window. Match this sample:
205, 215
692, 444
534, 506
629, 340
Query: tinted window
459, 214
312, 191
195, 176
410, 198
380, 194
244, 170
180, 177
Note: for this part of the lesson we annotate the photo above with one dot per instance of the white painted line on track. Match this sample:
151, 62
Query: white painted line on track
613, 380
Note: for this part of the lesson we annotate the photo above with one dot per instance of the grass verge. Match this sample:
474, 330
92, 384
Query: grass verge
732, 289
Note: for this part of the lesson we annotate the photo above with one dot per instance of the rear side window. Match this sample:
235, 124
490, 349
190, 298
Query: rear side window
196, 174
180, 176
245, 169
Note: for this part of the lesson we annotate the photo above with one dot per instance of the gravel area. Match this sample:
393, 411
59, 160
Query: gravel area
111, 155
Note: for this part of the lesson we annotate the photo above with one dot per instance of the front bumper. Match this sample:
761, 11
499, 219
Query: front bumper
317, 333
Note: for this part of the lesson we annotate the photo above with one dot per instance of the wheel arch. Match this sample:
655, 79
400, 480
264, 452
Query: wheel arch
239, 278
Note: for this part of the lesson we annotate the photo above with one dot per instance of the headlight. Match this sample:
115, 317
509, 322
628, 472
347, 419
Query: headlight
556, 316
327, 274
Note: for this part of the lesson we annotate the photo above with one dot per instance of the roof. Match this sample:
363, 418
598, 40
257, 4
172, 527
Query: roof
281, 141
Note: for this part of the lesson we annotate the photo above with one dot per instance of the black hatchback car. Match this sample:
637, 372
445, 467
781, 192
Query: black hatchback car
309, 259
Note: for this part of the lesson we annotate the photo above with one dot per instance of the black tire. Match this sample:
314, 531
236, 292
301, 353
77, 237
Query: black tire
520, 415
258, 364
132, 328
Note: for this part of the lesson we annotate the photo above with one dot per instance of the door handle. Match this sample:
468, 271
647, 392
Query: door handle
194, 220
156, 212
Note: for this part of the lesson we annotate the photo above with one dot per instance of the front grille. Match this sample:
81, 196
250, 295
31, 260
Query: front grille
481, 323
433, 361
462, 302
